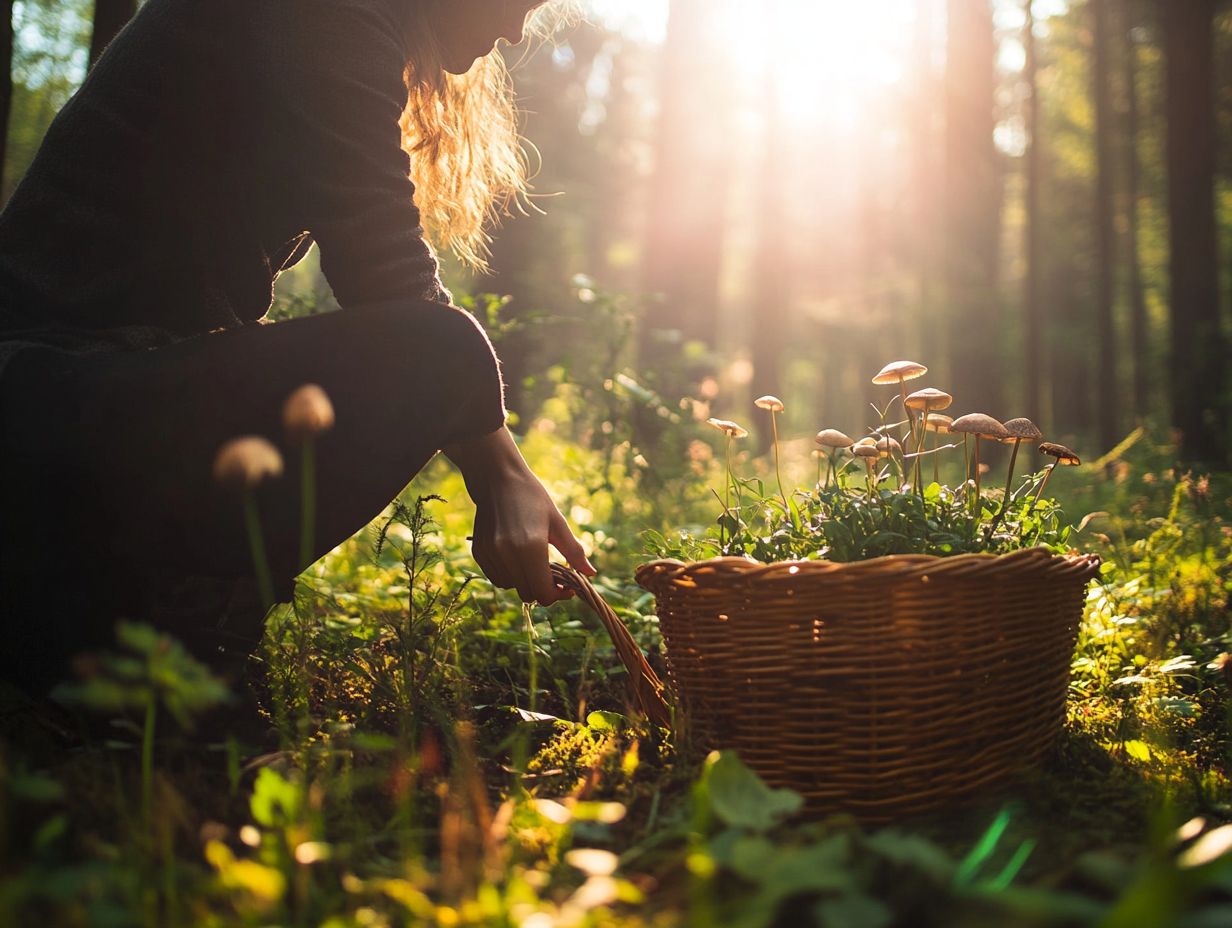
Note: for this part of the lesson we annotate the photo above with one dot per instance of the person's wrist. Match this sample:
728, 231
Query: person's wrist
487, 458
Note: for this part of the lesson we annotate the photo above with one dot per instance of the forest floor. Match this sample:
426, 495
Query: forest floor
411, 746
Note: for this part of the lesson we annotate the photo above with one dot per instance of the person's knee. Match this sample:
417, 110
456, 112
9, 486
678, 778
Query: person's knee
444, 353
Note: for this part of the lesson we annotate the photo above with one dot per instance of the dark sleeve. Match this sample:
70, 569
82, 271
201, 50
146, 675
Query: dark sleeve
343, 95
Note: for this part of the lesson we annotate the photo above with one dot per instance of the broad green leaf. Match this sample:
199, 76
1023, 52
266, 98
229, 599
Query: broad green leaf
739, 797
852, 910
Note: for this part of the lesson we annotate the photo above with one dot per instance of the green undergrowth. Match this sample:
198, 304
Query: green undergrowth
412, 747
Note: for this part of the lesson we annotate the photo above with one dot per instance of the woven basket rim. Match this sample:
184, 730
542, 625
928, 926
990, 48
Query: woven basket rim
728, 570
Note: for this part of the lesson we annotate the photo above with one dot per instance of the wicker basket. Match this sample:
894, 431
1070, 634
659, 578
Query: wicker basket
880, 688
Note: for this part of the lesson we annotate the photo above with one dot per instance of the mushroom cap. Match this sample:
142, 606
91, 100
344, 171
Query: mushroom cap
939, 422
833, 438
978, 423
727, 427
1061, 453
307, 412
1022, 430
772, 403
246, 461
900, 370
860, 449
929, 398
887, 446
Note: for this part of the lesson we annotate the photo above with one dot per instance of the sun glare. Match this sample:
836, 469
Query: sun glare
828, 58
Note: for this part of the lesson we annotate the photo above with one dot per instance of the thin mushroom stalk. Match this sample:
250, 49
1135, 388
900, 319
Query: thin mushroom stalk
256, 546
981, 426
1063, 455
925, 401
778, 473
1009, 478
975, 508
244, 463
1020, 430
773, 405
966, 461
919, 446
1039, 491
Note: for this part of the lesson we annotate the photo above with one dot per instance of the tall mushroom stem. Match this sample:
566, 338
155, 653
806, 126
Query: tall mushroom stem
975, 508
774, 428
919, 448
256, 545
902, 392
1043, 483
727, 494
1005, 497
1005, 501
966, 461
727, 484
936, 462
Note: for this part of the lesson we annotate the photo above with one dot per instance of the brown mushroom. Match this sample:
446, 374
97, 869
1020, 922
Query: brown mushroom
731, 430
866, 448
773, 404
900, 372
928, 399
1020, 430
981, 426
728, 428
244, 463
247, 461
307, 413
1060, 452
833, 440
1064, 457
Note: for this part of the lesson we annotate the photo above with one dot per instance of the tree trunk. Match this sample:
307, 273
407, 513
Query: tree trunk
771, 320
924, 183
6, 85
1105, 329
1140, 350
686, 216
973, 209
1197, 355
1034, 322
110, 17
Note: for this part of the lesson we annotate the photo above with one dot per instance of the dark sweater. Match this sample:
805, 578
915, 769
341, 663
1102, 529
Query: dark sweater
212, 141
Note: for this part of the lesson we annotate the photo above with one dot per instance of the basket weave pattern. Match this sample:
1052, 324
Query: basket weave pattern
881, 688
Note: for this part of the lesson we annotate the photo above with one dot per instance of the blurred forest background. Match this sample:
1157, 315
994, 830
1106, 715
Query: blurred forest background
1033, 198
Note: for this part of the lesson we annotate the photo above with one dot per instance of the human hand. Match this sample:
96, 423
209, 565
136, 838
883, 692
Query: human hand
515, 519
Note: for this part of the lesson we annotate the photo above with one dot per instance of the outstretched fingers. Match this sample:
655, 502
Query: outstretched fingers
561, 537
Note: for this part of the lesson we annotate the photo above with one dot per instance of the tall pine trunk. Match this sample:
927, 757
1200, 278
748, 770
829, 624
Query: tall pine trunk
924, 184
973, 209
686, 216
1035, 324
1105, 329
1137, 297
6, 86
110, 16
1197, 357
771, 319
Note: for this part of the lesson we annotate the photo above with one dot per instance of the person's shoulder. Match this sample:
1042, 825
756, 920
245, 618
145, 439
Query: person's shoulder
379, 23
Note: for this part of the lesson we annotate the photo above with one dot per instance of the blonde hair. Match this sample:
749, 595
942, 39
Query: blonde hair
462, 135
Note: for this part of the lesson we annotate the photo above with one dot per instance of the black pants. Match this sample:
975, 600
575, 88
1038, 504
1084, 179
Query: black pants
107, 489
